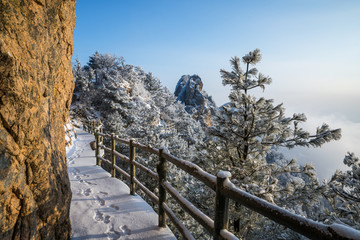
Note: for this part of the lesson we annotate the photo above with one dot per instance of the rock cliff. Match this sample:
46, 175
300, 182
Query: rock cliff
36, 86
189, 91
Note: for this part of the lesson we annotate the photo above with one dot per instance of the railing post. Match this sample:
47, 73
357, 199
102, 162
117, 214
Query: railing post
113, 157
101, 131
87, 126
97, 151
221, 205
161, 169
97, 125
132, 167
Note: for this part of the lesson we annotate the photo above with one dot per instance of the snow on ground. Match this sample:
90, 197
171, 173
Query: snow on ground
101, 206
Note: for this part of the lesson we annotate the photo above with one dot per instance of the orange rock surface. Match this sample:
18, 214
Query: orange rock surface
36, 86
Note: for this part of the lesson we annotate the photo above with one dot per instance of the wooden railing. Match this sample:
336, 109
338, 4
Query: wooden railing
221, 184
92, 125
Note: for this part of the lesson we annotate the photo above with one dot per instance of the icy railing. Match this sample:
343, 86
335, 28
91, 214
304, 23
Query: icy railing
221, 184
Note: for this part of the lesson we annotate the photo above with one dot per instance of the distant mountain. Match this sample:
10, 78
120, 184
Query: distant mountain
133, 104
189, 91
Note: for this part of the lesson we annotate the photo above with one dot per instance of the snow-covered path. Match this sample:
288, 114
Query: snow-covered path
101, 206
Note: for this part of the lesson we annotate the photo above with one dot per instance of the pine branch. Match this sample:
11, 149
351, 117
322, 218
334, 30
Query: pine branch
344, 194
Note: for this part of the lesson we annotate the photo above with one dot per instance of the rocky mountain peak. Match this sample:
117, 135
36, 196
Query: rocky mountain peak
189, 91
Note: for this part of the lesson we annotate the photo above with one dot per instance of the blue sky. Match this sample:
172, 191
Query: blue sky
307, 46
311, 48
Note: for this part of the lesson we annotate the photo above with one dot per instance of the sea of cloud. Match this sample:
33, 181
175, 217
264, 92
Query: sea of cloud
330, 156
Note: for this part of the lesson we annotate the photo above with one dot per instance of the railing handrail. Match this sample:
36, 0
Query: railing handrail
224, 189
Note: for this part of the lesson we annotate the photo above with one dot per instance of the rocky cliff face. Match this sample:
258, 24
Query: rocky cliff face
35, 94
189, 91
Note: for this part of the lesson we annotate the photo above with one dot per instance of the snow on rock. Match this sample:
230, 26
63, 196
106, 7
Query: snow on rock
189, 91
101, 206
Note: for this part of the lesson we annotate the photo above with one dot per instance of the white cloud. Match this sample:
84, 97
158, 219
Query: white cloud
330, 156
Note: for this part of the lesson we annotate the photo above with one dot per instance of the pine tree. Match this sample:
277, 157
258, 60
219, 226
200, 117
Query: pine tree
104, 66
343, 195
82, 83
247, 129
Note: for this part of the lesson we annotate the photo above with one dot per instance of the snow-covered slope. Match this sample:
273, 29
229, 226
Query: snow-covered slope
101, 206
133, 104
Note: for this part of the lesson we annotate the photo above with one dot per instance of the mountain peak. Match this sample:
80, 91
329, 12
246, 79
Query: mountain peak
189, 91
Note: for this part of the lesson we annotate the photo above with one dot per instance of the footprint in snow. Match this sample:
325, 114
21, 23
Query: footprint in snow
87, 192
73, 156
78, 177
99, 216
100, 200
115, 207
75, 171
107, 219
112, 233
90, 183
125, 230
70, 160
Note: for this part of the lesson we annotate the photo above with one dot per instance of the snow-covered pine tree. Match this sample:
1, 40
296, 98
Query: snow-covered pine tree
343, 195
82, 83
104, 65
246, 130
